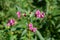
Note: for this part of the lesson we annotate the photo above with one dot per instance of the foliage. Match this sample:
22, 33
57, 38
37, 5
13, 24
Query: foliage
48, 28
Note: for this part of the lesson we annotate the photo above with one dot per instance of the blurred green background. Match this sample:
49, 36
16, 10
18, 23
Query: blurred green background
47, 28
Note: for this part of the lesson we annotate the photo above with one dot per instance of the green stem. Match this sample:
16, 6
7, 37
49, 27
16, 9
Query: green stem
29, 34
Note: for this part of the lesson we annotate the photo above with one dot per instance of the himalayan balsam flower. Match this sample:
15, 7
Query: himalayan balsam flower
18, 14
34, 29
31, 27
11, 22
42, 15
38, 14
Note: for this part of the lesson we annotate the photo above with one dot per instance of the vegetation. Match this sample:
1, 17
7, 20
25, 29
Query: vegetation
16, 16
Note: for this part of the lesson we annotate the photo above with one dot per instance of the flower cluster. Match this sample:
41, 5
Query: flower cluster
11, 22
38, 14
33, 29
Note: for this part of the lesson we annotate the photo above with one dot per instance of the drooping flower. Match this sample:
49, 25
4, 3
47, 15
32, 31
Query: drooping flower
30, 25
38, 14
42, 15
31, 28
34, 29
11, 22
18, 14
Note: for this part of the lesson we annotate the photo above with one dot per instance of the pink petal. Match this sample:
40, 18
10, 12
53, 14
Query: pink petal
42, 15
8, 24
34, 29
18, 14
38, 14
11, 22
30, 25
31, 28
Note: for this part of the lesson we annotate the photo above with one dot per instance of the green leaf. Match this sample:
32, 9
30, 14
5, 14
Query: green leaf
53, 22
35, 37
13, 37
24, 32
39, 0
58, 26
59, 30
39, 35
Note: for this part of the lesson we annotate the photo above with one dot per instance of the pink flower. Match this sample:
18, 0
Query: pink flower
34, 29
11, 22
31, 27
42, 15
38, 14
18, 14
